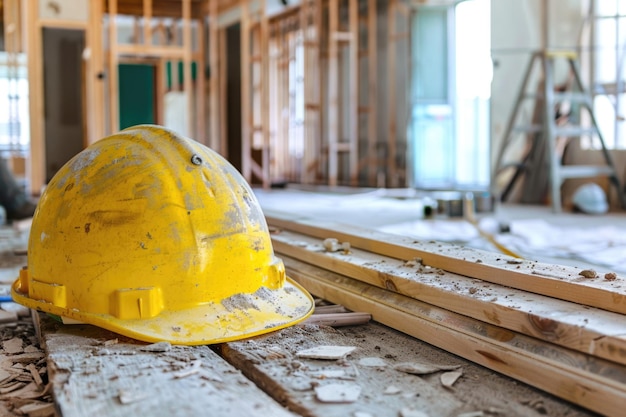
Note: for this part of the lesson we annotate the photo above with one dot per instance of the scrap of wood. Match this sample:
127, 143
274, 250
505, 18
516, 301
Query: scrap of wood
590, 382
338, 393
35, 374
562, 282
326, 352
13, 346
449, 378
597, 332
37, 409
334, 308
339, 319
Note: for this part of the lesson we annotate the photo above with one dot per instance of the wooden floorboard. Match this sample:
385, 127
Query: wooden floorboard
95, 372
271, 362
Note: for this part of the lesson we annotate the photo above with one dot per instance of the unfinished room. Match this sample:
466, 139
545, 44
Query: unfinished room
319, 208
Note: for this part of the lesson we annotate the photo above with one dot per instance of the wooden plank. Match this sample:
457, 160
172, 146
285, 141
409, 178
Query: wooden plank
94, 372
596, 332
589, 382
272, 362
268, 361
561, 282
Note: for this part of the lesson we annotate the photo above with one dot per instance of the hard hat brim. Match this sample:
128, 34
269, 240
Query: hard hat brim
238, 317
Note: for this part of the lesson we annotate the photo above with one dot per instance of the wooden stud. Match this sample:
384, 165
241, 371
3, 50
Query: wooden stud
95, 85
333, 93
35, 103
187, 62
392, 178
246, 105
200, 95
223, 94
214, 82
372, 93
265, 93
114, 123
147, 22
353, 127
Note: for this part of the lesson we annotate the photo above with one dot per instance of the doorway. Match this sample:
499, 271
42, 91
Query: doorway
64, 126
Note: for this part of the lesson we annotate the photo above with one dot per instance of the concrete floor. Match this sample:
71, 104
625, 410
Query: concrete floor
534, 232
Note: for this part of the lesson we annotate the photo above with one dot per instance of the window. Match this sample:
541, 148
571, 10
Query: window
608, 60
451, 83
14, 116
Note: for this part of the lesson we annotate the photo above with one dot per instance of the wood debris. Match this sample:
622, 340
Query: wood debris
417, 368
588, 273
449, 378
372, 362
24, 388
338, 393
409, 412
333, 245
326, 352
157, 347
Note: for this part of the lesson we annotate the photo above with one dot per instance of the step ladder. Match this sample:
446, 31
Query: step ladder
545, 131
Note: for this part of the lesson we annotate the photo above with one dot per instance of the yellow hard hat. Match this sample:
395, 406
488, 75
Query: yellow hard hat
157, 237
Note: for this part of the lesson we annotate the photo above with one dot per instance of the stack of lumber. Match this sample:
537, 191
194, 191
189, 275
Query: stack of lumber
556, 328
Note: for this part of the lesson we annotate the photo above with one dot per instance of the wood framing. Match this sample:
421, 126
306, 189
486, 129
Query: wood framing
216, 142
310, 24
95, 76
173, 49
255, 92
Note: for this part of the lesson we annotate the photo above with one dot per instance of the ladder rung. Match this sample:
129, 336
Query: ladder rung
528, 129
585, 171
577, 97
575, 131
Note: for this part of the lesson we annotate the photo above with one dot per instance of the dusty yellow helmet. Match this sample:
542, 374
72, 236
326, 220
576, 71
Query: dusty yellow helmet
157, 237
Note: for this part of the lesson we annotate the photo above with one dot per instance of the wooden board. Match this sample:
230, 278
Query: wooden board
592, 383
594, 331
271, 362
95, 372
556, 281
